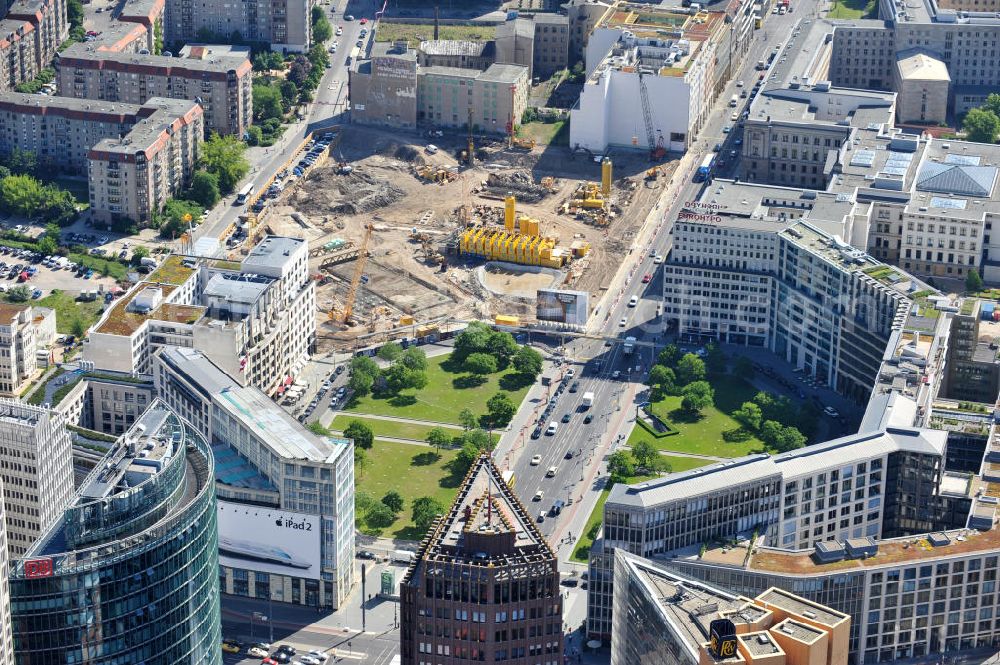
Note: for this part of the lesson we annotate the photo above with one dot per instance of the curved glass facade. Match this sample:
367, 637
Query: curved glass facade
131, 575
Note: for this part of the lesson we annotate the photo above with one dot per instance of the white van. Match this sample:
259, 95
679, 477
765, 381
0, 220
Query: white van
633, 301
402, 556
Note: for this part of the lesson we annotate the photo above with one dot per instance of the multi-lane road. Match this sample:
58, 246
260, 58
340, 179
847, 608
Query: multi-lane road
594, 362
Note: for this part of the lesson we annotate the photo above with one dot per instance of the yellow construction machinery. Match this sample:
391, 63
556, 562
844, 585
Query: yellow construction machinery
523, 143
549, 183
344, 317
654, 173
518, 242
435, 173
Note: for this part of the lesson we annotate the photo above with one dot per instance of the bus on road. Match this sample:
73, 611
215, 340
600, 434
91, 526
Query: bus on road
705, 170
244, 193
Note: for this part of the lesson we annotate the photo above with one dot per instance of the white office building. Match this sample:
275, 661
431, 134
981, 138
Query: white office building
265, 459
36, 466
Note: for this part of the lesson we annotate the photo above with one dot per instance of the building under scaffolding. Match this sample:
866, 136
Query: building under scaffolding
486, 568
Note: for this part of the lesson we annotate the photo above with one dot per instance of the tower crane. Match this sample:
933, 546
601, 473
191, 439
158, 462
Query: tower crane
359, 271
656, 149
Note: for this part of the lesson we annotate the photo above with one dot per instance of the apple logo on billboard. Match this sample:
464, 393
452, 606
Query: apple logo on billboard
278, 522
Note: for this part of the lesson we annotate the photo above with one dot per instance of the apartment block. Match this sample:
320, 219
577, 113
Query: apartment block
962, 38
257, 323
539, 42
136, 157
484, 585
266, 459
284, 24
632, 65
666, 617
36, 467
30, 33
131, 178
6, 636
221, 85
149, 14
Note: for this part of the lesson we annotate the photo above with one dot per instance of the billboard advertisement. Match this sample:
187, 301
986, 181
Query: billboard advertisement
268, 540
562, 306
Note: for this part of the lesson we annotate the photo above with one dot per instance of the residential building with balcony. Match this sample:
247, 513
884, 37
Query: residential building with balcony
219, 83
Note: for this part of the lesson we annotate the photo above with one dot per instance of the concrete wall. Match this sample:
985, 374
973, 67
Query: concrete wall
385, 93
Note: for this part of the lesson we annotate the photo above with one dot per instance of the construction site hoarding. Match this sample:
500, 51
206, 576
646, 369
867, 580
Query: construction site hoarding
571, 307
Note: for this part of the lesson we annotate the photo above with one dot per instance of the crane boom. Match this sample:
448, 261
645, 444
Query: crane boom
647, 114
359, 271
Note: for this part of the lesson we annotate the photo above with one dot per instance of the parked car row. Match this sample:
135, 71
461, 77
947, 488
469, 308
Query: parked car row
311, 153
283, 654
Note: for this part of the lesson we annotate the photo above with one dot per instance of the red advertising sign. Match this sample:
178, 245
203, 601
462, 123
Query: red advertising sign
38, 568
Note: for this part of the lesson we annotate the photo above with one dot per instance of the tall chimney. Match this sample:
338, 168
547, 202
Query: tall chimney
436, 21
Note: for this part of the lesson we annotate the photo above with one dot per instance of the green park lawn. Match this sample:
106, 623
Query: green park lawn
413, 471
702, 435
395, 430
448, 391
850, 9
582, 550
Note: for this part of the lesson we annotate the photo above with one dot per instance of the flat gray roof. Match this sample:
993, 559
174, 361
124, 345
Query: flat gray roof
272, 252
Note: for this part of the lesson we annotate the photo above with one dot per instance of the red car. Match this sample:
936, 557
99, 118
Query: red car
363, 21
646, 278
269, 661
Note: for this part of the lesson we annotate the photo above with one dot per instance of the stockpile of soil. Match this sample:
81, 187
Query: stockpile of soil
350, 194
520, 183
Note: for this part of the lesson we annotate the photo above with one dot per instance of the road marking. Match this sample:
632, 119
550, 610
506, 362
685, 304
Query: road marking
353, 655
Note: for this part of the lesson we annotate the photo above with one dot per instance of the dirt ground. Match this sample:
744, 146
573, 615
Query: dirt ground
401, 276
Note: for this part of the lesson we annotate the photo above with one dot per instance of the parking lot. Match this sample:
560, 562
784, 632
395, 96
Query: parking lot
42, 274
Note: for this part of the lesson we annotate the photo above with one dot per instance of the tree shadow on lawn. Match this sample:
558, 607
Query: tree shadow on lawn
684, 416
402, 400
425, 459
455, 474
452, 365
468, 381
515, 381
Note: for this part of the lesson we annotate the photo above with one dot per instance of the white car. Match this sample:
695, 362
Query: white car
623, 322
309, 660
739, 84
658, 259
551, 472
832, 412
633, 301
256, 652
431, 148
319, 655
539, 495
340, 31
536, 460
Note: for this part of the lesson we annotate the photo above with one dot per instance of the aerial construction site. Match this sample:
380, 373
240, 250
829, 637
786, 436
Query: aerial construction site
404, 235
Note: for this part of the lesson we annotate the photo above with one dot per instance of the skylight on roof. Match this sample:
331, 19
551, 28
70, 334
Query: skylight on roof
951, 204
863, 158
964, 160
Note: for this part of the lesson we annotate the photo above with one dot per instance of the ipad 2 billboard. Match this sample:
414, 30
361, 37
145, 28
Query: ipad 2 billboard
269, 540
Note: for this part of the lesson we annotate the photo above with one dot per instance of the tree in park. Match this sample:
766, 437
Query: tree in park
361, 462
527, 361
414, 359
789, 438
467, 419
438, 438
360, 433
393, 500
981, 126
361, 384
769, 432
224, 156
19, 293
697, 395
380, 516
662, 379
749, 415
425, 510
500, 410
502, 346
479, 438
399, 377
390, 351
690, 368
78, 328
973, 282
480, 364
467, 456
645, 455
139, 253
473, 339
621, 466
669, 356
268, 101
